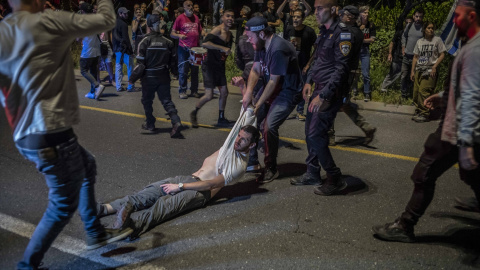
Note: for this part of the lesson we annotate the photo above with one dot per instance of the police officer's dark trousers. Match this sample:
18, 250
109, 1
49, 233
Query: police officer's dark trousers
317, 126
150, 86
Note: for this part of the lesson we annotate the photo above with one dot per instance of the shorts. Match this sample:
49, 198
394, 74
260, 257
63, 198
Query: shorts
213, 76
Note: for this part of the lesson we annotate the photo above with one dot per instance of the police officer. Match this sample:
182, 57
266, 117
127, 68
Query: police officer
156, 55
349, 15
330, 73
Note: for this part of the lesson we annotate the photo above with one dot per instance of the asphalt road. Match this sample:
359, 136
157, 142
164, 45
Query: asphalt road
247, 226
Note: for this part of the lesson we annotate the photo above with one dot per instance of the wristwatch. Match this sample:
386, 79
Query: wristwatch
180, 186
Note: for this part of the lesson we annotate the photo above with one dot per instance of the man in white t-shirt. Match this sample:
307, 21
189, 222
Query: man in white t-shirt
172, 196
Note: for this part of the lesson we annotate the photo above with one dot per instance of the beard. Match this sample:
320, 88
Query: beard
259, 45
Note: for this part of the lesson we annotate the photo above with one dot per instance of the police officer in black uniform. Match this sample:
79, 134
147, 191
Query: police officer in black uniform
330, 73
156, 56
349, 15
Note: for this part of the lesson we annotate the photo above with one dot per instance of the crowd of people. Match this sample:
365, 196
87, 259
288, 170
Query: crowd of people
281, 73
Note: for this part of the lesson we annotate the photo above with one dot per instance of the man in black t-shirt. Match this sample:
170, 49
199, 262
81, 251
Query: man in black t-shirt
302, 37
272, 16
287, 18
218, 43
276, 61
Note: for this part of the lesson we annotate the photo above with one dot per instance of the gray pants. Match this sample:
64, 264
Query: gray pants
392, 76
351, 110
161, 206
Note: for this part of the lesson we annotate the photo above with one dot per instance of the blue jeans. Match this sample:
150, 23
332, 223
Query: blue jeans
365, 64
273, 115
317, 126
184, 67
69, 172
128, 60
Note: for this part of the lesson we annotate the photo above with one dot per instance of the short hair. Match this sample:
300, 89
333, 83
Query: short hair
252, 131
363, 8
196, 4
181, 10
257, 14
228, 10
247, 10
301, 11
419, 10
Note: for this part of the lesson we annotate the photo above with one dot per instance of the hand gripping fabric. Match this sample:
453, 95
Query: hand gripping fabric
230, 163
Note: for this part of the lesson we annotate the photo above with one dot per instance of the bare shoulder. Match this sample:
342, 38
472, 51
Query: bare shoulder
217, 31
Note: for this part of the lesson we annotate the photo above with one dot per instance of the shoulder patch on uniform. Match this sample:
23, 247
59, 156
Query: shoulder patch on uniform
345, 36
345, 47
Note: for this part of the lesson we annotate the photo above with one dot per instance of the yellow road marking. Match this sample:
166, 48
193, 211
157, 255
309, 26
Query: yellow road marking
342, 148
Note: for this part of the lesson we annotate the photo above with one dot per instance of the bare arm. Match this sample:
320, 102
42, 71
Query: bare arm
135, 24
275, 24
268, 91
280, 9
177, 35
434, 68
216, 182
308, 8
210, 45
390, 50
252, 81
414, 63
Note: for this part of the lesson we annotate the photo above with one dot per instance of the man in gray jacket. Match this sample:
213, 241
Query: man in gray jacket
38, 92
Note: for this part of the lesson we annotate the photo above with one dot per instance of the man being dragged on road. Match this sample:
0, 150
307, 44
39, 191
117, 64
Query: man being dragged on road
219, 43
170, 197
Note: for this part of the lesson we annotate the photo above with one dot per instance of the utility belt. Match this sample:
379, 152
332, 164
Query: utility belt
41, 141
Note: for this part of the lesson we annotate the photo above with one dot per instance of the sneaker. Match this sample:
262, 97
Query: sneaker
467, 204
367, 97
123, 216
90, 95
421, 119
394, 232
415, 116
183, 95
254, 168
369, 135
150, 127
121, 89
355, 92
193, 119
306, 179
175, 133
224, 122
109, 236
301, 117
134, 89
195, 95
269, 176
330, 189
99, 91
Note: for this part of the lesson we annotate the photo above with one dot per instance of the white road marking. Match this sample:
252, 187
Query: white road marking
77, 247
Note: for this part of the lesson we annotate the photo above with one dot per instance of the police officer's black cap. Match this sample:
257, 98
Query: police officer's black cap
256, 24
352, 10
153, 19
86, 7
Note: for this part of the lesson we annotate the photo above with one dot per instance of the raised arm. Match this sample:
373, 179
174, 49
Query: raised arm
280, 9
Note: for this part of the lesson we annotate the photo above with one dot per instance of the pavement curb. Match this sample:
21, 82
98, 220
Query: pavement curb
362, 105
